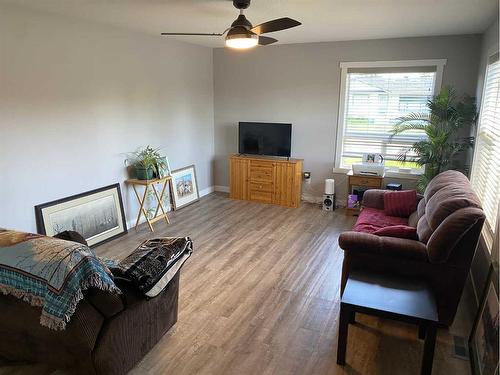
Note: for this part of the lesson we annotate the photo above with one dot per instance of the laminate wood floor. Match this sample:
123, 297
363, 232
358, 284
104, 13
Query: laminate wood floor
260, 295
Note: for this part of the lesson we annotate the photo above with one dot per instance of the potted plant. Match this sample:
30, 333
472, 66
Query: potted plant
146, 162
447, 115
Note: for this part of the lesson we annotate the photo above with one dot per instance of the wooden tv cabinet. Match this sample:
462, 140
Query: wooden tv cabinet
266, 180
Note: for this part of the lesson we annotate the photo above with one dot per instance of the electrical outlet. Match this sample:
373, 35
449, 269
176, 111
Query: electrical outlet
307, 177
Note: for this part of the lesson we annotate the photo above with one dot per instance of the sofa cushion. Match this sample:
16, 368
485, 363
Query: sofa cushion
442, 180
446, 237
371, 219
393, 247
448, 200
424, 231
398, 231
400, 203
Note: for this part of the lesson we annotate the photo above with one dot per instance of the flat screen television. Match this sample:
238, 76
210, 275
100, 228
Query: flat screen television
263, 138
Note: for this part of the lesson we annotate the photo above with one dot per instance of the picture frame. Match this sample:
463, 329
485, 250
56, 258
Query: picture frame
372, 158
98, 215
164, 169
184, 187
483, 339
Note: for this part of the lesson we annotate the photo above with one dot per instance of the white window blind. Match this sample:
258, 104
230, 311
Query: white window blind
374, 98
485, 176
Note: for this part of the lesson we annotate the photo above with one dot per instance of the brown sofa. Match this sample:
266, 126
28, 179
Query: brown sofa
107, 334
448, 219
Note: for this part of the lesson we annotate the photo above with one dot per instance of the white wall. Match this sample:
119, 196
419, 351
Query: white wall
299, 83
76, 96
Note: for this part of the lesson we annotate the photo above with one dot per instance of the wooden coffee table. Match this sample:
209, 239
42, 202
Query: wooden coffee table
406, 300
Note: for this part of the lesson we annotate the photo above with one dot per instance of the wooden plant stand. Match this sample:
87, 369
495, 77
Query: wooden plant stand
165, 181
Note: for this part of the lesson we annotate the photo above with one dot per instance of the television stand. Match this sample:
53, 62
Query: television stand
266, 179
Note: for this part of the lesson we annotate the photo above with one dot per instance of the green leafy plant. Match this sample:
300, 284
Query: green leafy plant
147, 159
447, 115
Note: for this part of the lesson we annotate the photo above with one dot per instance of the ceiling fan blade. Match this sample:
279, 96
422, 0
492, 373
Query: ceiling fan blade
198, 34
265, 40
275, 25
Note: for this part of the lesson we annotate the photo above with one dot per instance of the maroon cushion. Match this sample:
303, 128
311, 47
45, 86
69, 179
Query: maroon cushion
400, 203
398, 231
371, 219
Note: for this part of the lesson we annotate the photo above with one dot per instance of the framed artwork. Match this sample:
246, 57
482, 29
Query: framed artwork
164, 168
97, 215
483, 340
184, 187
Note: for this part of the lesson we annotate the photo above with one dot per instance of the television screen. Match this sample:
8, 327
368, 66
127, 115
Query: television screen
260, 138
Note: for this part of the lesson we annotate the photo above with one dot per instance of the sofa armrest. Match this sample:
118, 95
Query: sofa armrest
374, 198
359, 242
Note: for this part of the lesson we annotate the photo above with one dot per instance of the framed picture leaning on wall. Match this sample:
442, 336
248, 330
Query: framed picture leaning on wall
97, 215
184, 187
483, 340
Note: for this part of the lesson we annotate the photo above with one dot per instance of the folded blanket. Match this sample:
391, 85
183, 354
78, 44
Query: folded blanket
50, 273
154, 263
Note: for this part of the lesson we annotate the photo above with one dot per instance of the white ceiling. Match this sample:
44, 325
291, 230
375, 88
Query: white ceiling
322, 20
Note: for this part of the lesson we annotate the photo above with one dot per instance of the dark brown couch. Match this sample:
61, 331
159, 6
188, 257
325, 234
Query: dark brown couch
448, 219
107, 334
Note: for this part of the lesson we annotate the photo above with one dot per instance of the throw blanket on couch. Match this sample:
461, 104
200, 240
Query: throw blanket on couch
50, 273
154, 263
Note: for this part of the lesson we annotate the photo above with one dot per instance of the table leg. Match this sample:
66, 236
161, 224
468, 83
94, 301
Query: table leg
429, 344
160, 204
141, 208
422, 328
352, 317
345, 316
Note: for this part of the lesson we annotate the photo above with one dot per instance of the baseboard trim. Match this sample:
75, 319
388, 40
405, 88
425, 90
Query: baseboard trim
221, 188
207, 191
311, 199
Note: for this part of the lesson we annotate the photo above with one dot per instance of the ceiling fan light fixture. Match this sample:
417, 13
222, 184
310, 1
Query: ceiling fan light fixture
241, 39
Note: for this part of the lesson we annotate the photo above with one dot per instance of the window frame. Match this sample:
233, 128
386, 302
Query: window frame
344, 68
489, 238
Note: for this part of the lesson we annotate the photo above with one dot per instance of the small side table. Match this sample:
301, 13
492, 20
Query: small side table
368, 182
403, 299
165, 181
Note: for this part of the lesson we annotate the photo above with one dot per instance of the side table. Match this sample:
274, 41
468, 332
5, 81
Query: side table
164, 181
390, 297
363, 181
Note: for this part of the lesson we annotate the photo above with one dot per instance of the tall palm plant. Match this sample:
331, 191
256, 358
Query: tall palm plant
447, 115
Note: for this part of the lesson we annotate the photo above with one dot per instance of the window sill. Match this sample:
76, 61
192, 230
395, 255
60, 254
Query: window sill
388, 174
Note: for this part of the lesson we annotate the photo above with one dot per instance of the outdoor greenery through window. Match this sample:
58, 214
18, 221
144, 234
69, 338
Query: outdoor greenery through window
374, 100
486, 166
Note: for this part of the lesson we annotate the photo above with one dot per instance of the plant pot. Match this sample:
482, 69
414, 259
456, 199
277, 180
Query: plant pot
144, 173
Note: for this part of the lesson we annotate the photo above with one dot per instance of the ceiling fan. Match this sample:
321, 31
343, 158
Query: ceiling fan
241, 34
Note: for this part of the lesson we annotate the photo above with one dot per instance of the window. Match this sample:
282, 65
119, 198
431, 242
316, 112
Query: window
486, 165
373, 96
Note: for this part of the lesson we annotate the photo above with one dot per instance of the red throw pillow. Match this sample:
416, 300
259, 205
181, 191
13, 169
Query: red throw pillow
399, 231
400, 203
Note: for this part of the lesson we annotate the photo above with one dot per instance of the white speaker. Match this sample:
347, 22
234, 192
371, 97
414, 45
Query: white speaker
328, 202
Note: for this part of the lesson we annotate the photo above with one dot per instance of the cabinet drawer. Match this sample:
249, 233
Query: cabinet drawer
261, 176
261, 187
261, 196
365, 181
261, 173
261, 164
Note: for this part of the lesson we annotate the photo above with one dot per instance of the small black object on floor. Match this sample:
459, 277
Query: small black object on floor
406, 300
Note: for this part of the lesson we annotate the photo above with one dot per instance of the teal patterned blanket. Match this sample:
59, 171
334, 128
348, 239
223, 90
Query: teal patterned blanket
50, 273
